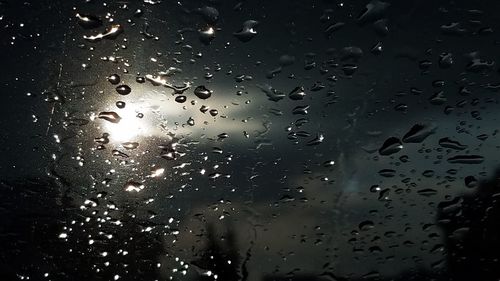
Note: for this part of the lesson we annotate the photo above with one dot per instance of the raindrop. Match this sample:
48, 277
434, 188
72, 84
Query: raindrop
302, 110
110, 116
88, 21
247, 32
214, 112
133, 186
453, 144
391, 145
297, 93
190, 121
445, 60
110, 33
427, 192
114, 79
123, 90
366, 225
120, 104
466, 159
202, 92
418, 133
180, 99
388, 173
470, 181
130, 145
204, 108
317, 140
206, 35
118, 153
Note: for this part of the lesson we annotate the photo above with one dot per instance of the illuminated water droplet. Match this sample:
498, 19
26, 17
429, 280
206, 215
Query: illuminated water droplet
88, 21
180, 99
202, 92
110, 116
114, 79
123, 90
130, 145
120, 104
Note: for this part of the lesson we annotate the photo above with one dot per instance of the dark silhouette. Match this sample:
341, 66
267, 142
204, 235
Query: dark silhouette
33, 213
472, 227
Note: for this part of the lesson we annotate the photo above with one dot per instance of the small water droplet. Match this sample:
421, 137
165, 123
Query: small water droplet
180, 99
120, 104
214, 112
114, 79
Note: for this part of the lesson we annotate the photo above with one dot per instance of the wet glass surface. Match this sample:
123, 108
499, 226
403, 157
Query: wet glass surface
249, 140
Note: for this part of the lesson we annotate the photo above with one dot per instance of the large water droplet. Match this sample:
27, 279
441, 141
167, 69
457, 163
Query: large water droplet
202, 92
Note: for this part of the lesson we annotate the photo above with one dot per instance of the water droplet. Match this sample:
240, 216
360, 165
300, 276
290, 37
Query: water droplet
190, 121
466, 159
114, 79
470, 181
445, 60
180, 99
120, 104
427, 192
123, 90
297, 93
388, 173
104, 139
117, 153
302, 110
317, 140
391, 145
214, 112
88, 21
373, 11
133, 186
247, 32
202, 92
366, 225
110, 33
453, 144
130, 145
206, 35
110, 116
204, 108
418, 133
